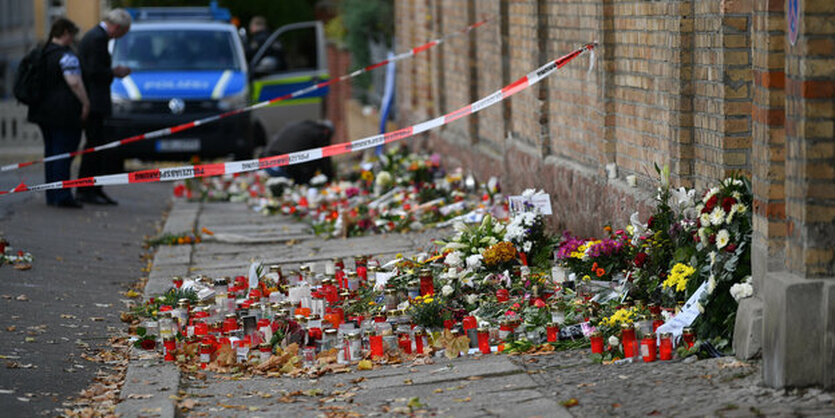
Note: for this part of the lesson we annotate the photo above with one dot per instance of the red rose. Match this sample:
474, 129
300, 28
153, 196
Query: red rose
727, 203
179, 190
730, 247
539, 303
640, 259
650, 221
712, 239
148, 344
711, 203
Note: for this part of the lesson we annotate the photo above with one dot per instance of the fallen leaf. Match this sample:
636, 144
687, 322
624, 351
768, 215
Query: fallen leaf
365, 365
407, 382
68, 316
570, 403
358, 380
467, 399
475, 378
583, 385
438, 390
11, 328
140, 396
24, 266
22, 298
188, 404
414, 403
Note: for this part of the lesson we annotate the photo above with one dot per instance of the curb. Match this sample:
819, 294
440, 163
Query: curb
150, 383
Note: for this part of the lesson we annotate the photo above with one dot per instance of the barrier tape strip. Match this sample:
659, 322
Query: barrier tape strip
216, 169
185, 126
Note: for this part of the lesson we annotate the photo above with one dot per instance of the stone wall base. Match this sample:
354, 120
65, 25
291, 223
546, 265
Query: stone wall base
798, 331
748, 329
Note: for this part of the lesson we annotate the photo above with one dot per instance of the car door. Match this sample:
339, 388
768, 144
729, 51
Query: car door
292, 58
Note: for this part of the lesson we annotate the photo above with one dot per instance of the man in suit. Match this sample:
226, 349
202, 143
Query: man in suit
98, 75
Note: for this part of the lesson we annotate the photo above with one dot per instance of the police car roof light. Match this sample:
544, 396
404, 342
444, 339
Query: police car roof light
213, 12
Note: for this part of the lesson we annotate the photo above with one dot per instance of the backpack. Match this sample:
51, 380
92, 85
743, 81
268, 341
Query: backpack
30, 77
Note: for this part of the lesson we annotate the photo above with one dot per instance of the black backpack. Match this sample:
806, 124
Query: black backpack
30, 77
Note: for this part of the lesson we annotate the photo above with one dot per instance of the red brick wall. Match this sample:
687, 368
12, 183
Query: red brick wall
696, 85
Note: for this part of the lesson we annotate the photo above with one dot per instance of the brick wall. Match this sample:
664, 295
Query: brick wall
810, 149
696, 85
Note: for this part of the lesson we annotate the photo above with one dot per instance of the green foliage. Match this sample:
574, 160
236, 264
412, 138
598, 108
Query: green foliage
366, 20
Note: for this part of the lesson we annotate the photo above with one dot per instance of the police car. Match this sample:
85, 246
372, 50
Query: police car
190, 63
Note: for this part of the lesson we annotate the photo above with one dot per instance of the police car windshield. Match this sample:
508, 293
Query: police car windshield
176, 50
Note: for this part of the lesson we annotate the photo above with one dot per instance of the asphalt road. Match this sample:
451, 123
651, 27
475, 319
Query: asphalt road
72, 296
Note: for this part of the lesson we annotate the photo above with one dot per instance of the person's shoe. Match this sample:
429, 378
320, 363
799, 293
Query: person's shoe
68, 203
107, 198
93, 198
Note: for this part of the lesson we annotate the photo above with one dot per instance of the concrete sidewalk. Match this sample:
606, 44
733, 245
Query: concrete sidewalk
467, 387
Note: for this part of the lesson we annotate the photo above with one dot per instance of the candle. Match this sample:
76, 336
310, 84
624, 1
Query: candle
596, 343
376, 343
553, 331
420, 336
427, 284
627, 338
648, 348
665, 351
688, 337
205, 355
484, 340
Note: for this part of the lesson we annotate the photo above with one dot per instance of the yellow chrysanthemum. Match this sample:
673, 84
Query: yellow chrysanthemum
678, 277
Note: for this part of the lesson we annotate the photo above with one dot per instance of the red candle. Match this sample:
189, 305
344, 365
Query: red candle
596, 343
627, 338
205, 355
419, 336
665, 351
340, 277
405, 343
657, 322
688, 337
376, 343
427, 282
553, 331
648, 348
170, 345
484, 340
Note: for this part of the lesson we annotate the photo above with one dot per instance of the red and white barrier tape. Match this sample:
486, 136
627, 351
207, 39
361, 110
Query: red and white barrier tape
207, 170
185, 126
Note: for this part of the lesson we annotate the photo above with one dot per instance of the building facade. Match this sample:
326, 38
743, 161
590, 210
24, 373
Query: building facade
708, 88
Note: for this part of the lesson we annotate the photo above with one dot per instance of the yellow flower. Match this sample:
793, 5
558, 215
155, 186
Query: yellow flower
428, 300
621, 316
587, 277
678, 277
371, 303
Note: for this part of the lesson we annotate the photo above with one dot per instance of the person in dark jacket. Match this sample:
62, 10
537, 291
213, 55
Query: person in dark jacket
302, 136
62, 110
98, 75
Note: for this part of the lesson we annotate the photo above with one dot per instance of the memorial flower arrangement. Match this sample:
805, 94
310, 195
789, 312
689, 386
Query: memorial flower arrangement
724, 251
491, 281
18, 259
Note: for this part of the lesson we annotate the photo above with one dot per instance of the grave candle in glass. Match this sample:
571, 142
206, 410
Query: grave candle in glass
420, 338
665, 350
376, 344
596, 342
688, 337
553, 331
427, 284
205, 355
405, 343
265, 350
627, 338
484, 340
361, 265
648, 348
470, 326
170, 346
